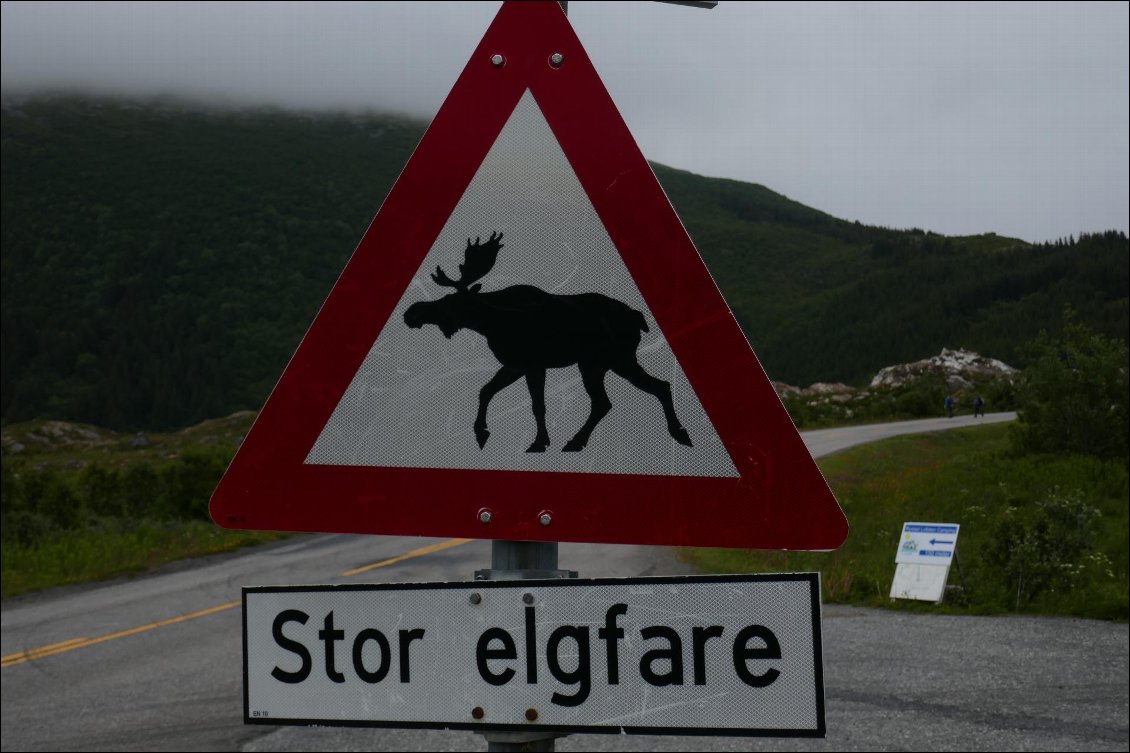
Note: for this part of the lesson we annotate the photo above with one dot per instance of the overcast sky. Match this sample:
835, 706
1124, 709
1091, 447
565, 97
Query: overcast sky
953, 117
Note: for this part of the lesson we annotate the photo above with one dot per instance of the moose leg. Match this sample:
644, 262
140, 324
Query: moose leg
594, 384
634, 373
535, 380
505, 377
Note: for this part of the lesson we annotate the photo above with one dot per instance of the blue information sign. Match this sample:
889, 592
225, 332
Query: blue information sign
927, 543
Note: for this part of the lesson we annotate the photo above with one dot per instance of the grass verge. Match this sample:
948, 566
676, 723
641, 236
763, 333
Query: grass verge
111, 550
1039, 534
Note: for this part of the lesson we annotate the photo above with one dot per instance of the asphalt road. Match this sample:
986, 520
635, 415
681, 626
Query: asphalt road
155, 663
826, 441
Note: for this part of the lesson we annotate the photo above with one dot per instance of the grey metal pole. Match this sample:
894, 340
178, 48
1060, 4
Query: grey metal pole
529, 560
523, 560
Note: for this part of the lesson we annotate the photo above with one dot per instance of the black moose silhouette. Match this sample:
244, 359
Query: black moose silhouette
529, 330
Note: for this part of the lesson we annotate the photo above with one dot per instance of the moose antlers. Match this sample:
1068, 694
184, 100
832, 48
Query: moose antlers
478, 259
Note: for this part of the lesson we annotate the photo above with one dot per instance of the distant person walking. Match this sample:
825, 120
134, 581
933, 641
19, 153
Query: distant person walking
978, 407
949, 406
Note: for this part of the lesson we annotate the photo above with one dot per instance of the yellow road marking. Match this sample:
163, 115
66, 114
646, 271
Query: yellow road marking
58, 648
12, 660
429, 549
35, 653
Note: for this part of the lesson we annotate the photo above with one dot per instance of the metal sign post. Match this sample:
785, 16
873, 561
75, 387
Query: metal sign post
523, 560
531, 559
571, 374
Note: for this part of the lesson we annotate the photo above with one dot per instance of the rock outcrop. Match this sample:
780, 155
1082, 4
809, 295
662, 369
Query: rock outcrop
958, 367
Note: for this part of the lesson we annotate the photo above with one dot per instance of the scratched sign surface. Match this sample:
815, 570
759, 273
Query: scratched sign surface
413, 402
693, 655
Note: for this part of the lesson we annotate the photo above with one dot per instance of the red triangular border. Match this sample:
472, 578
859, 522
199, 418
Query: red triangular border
780, 501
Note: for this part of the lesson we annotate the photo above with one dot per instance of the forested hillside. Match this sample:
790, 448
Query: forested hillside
160, 261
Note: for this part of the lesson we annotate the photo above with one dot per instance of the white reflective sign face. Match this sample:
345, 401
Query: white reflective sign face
698, 655
414, 402
921, 582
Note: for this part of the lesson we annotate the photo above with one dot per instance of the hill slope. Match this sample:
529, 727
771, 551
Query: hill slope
160, 262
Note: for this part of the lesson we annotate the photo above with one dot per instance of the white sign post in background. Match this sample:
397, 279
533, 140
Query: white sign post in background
923, 560
737, 655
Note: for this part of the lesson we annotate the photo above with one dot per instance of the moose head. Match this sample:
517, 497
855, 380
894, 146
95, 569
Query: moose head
454, 311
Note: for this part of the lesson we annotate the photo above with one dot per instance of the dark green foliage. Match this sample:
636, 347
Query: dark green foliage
20, 519
821, 299
1074, 395
1042, 548
79, 503
140, 490
55, 499
103, 487
1039, 533
187, 484
38, 503
159, 263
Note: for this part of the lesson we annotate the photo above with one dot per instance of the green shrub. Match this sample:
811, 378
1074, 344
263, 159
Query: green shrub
188, 482
1045, 547
1040, 534
102, 488
49, 493
1074, 395
141, 490
921, 398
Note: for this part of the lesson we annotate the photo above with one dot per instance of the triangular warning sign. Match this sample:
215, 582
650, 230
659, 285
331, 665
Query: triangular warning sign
526, 345
414, 399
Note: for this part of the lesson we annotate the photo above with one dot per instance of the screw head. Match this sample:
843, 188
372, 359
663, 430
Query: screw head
478, 712
556, 59
531, 715
485, 516
527, 598
497, 60
475, 598
545, 518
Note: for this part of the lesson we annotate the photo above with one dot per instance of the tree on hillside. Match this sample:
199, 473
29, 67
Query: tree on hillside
1073, 395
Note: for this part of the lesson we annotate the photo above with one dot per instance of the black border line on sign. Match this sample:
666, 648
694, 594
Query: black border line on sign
813, 580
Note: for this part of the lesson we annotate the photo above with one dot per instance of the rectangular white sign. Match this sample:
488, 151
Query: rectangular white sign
921, 582
927, 543
738, 655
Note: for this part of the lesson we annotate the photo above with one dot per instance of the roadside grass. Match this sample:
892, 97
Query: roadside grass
79, 503
1039, 534
110, 550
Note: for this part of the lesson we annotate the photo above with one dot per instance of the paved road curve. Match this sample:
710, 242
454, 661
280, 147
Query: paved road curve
155, 663
826, 441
